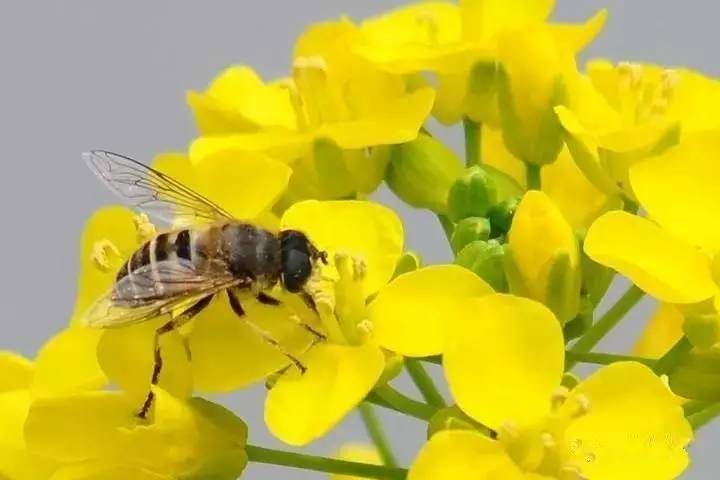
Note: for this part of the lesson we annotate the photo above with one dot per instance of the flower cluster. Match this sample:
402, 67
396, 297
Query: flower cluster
572, 177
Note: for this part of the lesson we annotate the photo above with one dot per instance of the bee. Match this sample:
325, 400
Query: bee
185, 268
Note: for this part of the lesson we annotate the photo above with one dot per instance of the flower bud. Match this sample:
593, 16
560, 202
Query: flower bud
408, 262
582, 321
468, 230
697, 376
542, 258
703, 330
485, 259
501, 216
472, 195
421, 172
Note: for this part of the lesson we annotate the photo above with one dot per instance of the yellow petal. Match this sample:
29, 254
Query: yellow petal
220, 341
463, 454
635, 427
108, 223
238, 101
679, 189
495, 154
67, 363
302, 408
576, 197
482, 19
79, 426
392, 121
277, 143
356, 453
244, 184
104, 470
416, 38
662, 265
126, 356
661, 332
414, 313
577, 36
16, 372
16, 461
505, 360
364, 229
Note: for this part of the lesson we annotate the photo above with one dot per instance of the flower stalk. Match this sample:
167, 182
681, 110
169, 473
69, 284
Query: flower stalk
322, 464
424, 383
377, 434
473, 142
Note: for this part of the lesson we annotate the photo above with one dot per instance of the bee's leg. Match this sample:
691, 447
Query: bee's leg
158, 361
237, 308
266, 299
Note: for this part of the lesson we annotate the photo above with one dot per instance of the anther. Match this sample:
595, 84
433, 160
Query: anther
631, 73
583, 405
365, 328
315, 62
105, 255
559, 396
547, 440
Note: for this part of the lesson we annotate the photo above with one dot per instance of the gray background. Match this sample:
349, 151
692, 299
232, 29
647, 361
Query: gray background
113, 74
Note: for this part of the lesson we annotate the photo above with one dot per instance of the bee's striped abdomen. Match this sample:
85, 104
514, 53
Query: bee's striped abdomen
166, 247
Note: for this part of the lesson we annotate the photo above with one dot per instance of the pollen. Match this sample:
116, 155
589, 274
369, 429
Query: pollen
144, 228
105, 255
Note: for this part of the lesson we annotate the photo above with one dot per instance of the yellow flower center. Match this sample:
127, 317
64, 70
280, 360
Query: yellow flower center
644, 98
341, 301
106, 256
542, 448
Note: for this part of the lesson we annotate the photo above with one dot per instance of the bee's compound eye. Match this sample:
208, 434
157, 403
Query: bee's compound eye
296, 269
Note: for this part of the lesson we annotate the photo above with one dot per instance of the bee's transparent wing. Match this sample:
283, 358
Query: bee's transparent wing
159, 195
148, 292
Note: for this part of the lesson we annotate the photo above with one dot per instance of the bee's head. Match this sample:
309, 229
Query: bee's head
297, 259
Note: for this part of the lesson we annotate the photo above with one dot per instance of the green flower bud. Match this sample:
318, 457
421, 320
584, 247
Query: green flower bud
505, 185
703, 331
472, 195
538, 143
408, 262
698, 375
421, 172
485, 259
468, 230
501, 216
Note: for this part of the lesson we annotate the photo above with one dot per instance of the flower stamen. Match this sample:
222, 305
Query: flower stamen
105, 255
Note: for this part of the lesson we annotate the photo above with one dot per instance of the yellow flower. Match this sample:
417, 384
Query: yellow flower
408, 315
462, 45
324, 118
672, 255
504, 368
543, 257
623, 114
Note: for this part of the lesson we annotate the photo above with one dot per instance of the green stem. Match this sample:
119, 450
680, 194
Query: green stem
388, 397
673, 356
424, 383
704, 416
376, 434
606, 323
606, 358
532, 176
322, 464
436, 359
447, 226
473, 139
